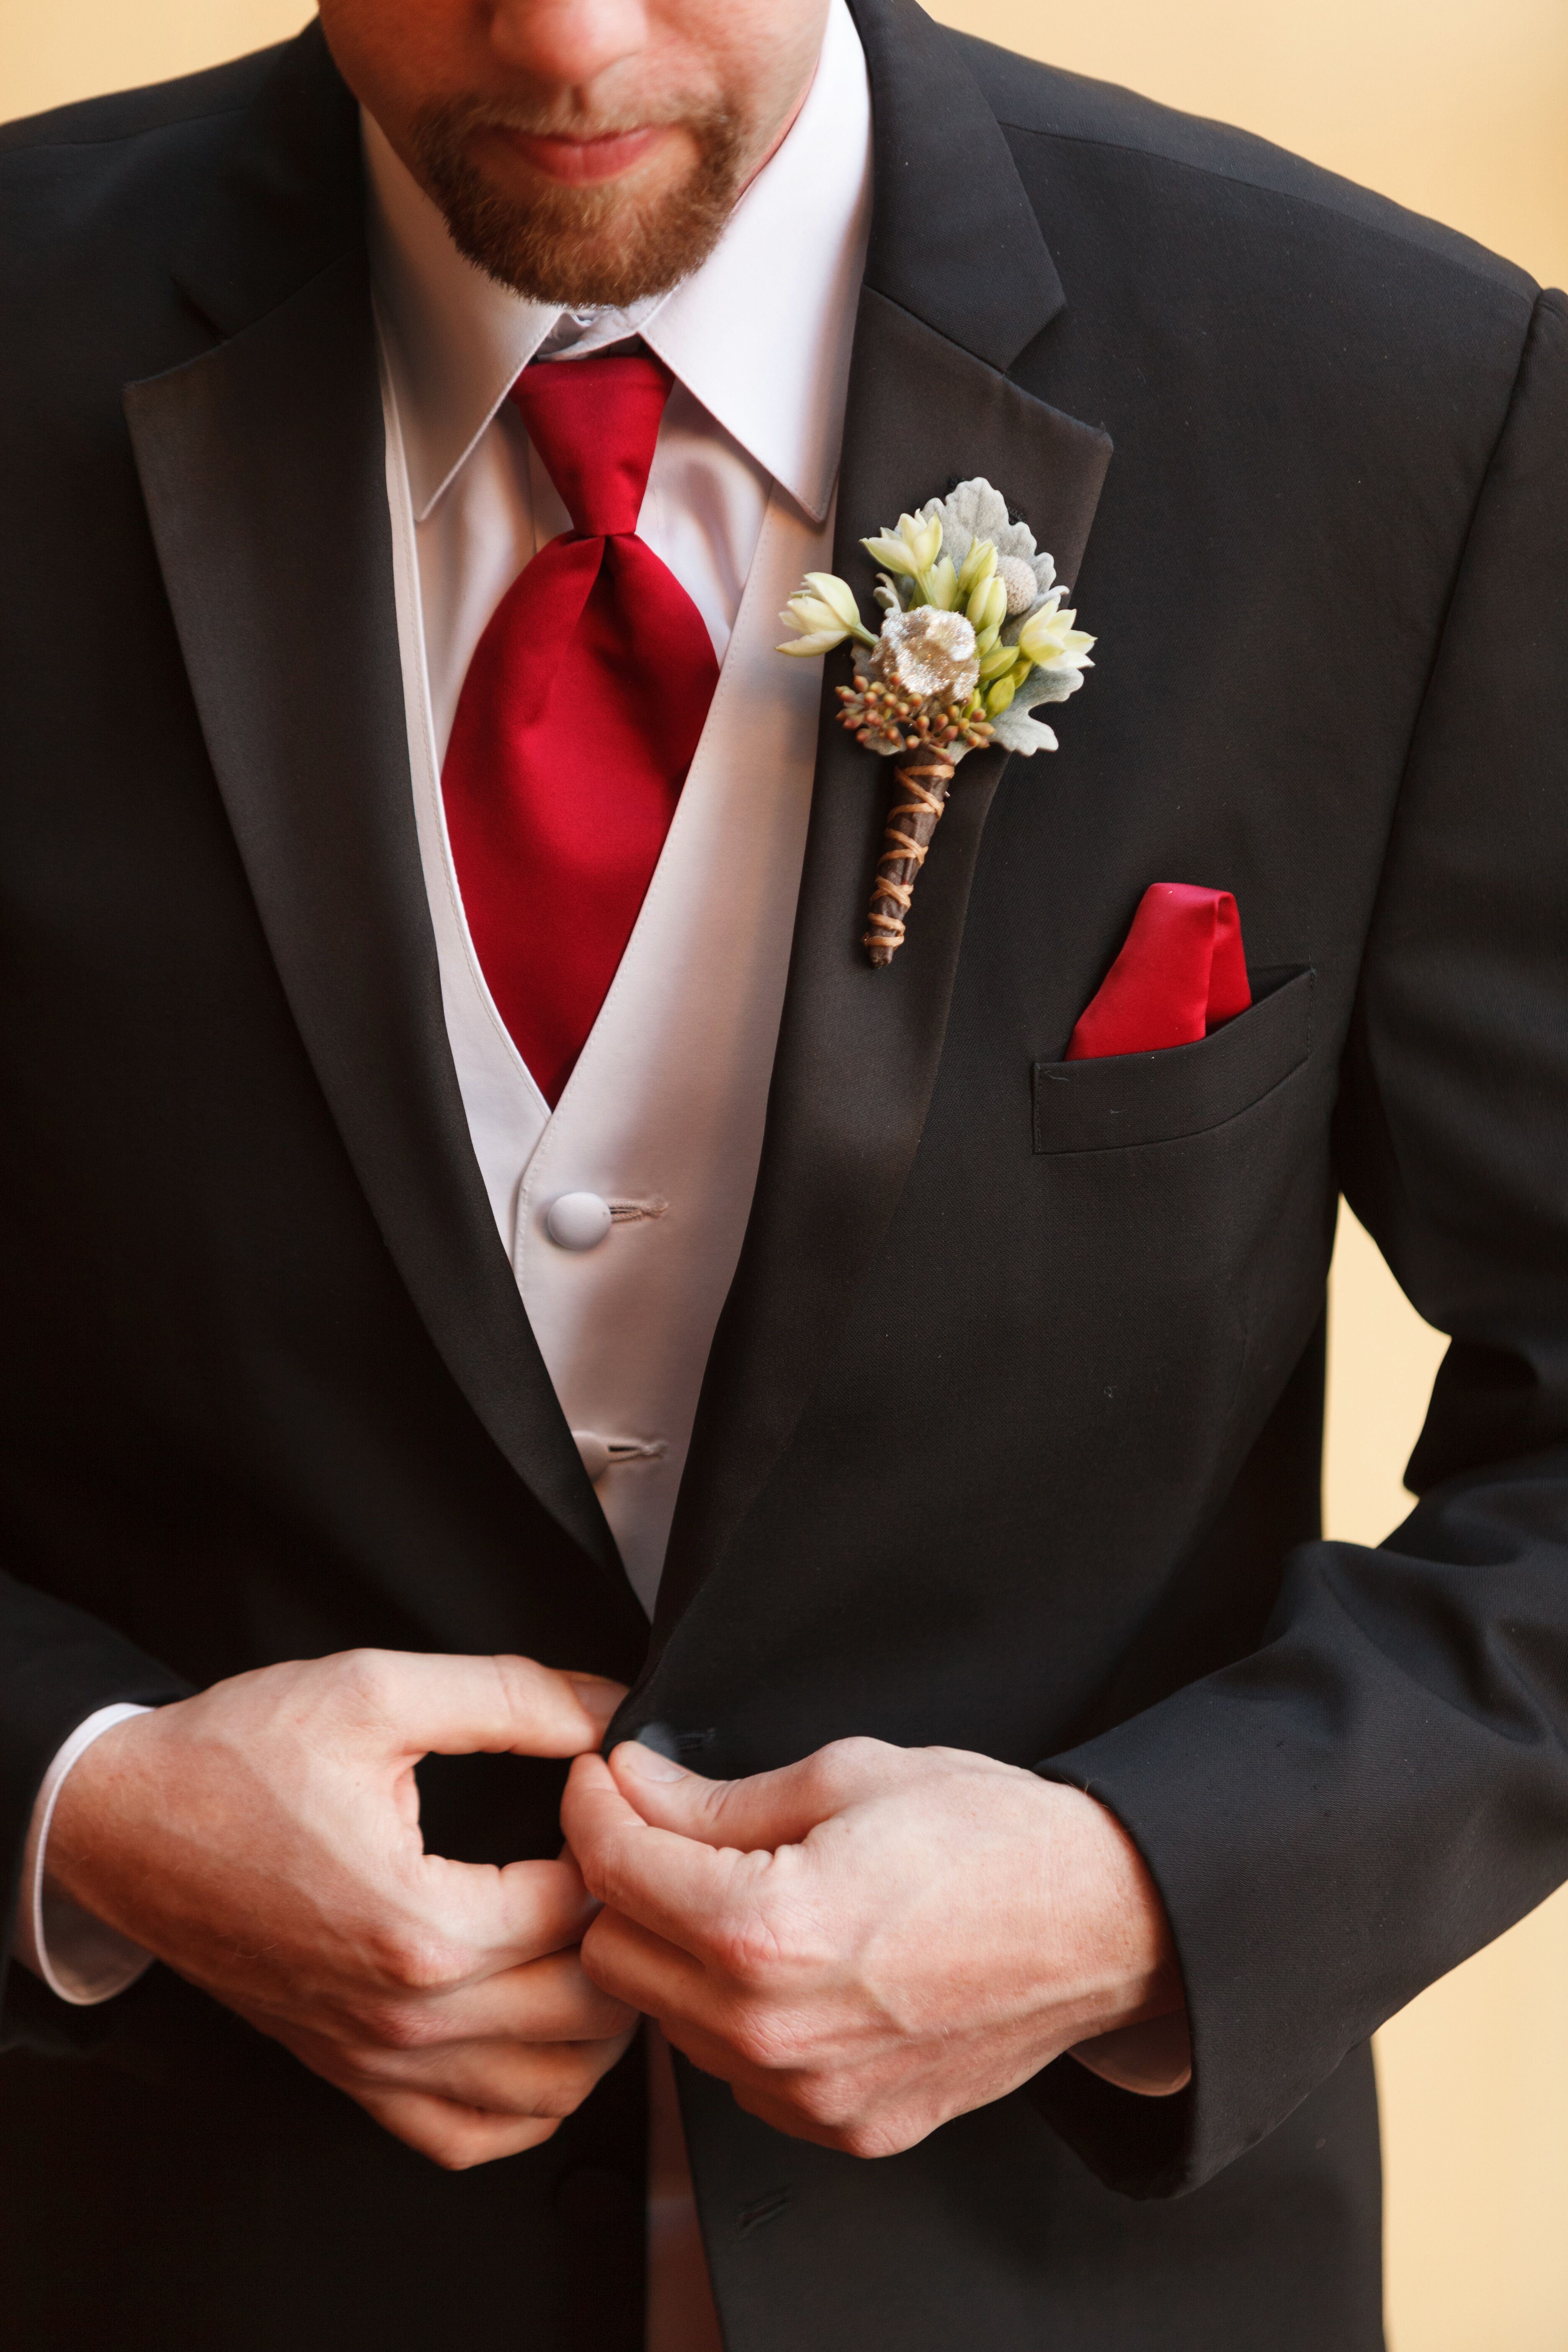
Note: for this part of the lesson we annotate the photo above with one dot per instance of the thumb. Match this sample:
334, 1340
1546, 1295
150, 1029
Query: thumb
462, 1707
764, 1812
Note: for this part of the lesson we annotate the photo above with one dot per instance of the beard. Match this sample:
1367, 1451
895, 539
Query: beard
579, 247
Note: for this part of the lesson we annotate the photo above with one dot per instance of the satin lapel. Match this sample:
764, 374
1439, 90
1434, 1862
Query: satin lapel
859, 1048
262, 467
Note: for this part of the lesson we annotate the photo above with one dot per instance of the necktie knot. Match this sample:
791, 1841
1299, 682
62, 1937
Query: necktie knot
594, 422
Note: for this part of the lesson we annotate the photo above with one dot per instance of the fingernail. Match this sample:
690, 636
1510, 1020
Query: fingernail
646, 1763
594, 1693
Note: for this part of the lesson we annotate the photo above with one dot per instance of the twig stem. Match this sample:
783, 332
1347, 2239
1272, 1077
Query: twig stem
919, 796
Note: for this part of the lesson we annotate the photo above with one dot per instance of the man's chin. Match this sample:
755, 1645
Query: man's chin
608, 239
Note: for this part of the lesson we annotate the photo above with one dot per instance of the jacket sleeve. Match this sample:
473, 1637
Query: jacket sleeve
1381, 1787
58, 1666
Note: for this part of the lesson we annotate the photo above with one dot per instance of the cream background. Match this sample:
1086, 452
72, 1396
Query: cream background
1464, 115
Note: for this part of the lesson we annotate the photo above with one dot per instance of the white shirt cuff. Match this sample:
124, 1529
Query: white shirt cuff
79, 1959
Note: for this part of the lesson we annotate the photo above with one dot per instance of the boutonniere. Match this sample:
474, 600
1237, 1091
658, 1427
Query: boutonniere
973, 637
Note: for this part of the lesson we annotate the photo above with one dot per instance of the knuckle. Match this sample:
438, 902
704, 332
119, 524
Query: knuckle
750, 1947
768, 1944
824, 2100
845, 1760
764, 2036
454, 2150
562, 2095
459, 2141
366, 1678
844, 2112
411, 1960
606, 2019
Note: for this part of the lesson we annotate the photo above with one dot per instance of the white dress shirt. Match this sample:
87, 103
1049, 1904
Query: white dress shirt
662, 1116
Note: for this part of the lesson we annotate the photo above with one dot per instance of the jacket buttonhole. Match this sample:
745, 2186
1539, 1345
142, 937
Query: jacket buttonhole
751, 2218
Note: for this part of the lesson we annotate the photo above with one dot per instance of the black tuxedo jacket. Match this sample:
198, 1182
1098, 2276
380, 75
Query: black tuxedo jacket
1010, 1438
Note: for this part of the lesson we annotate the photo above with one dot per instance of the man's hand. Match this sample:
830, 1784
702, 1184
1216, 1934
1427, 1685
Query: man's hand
872, 1940
263, 1839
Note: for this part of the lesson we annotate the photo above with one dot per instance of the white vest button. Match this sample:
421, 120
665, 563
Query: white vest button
595, 1453
578, 1221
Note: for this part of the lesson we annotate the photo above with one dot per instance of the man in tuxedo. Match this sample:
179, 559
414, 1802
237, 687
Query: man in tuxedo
468, 1194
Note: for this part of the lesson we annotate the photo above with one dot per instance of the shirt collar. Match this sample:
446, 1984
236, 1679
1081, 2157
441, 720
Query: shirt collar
760, 335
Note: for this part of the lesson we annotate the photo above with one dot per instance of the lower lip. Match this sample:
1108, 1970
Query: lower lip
580, 163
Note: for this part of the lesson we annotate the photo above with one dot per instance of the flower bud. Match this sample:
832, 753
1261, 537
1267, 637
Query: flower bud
941, 585
819, 642
810, 614
925, 538
891, 553
979, 565
987, 606
837, 594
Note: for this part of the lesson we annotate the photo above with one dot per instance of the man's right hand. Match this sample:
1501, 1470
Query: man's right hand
263, 1839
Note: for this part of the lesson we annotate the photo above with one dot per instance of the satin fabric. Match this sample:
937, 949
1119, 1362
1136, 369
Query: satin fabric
1181, 972
577, 721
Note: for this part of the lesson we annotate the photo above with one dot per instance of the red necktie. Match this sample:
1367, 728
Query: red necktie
577, 720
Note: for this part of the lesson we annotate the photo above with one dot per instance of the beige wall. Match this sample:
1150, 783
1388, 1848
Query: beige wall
1463, 113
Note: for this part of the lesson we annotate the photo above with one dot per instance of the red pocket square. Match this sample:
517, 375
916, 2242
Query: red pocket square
1181, 973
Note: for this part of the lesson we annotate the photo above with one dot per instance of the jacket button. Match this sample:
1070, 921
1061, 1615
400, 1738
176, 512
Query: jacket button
577, 1221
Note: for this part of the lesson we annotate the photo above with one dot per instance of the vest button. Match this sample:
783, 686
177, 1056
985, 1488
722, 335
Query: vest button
577, 1221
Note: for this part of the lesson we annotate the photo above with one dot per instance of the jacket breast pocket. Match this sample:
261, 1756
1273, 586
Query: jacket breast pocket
1126, 1098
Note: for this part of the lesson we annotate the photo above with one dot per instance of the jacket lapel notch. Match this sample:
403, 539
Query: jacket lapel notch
947, 195
287, 199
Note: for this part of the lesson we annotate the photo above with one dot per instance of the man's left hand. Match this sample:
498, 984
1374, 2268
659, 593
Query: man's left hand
875, 1939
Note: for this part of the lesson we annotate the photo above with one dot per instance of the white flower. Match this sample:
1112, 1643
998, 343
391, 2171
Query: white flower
825, 612
1049, 639
837, 594
911, 549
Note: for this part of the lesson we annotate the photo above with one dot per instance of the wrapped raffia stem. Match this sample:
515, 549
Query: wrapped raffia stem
972, 638
918, 805
916, 695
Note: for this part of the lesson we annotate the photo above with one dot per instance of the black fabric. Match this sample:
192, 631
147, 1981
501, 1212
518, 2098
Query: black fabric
1010, 1434
1118, 1099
